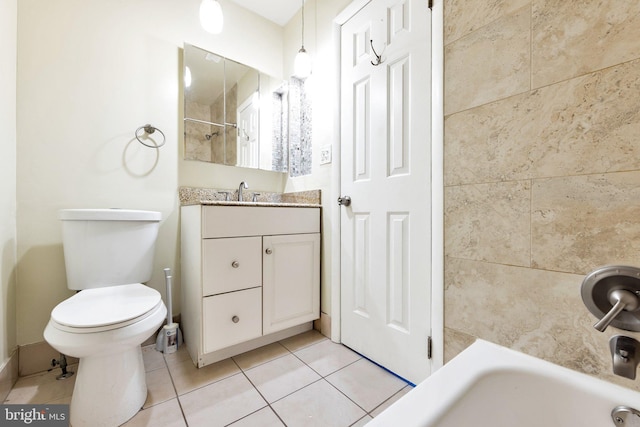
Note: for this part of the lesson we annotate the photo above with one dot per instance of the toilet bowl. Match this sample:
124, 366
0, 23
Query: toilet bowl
108, 256
104, 328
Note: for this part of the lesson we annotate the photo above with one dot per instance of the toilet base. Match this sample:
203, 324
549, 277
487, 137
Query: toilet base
110, 389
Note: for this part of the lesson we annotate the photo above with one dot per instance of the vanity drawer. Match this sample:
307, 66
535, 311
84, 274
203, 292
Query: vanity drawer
231, 264
230, 221
231, 318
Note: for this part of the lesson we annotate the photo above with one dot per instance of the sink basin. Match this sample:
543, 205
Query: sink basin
491, 386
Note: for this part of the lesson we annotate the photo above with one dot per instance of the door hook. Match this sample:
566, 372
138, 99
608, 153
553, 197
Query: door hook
378, 57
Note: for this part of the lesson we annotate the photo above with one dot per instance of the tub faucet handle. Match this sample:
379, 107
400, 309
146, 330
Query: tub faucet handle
620, 299
612, 295
624, 355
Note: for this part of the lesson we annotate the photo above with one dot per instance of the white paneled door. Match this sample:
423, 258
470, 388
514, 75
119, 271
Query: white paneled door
248, 135
385, 170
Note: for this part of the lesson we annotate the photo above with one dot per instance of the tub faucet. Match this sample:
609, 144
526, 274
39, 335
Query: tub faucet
625, 356
242, 185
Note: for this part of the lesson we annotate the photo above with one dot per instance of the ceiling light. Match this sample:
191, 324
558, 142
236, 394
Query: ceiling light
187, 77
211, 17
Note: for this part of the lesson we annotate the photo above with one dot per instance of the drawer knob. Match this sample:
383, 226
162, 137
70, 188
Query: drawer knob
235, 319
235, 264
269, 251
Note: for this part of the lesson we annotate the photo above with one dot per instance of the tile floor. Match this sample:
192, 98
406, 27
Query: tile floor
305, 380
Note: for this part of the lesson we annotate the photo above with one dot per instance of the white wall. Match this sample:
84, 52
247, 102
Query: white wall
89, 73
8, 21
318, 41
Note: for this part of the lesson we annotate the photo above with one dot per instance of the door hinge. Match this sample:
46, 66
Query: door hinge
429, 347
430, 4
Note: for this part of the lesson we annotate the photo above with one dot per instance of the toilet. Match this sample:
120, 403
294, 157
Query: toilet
108, 256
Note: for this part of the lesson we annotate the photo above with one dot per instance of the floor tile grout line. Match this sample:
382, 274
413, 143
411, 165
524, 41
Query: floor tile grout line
326, 381
207, 384
321, 377
345, 395
386, 400
304, 346
261, 395
175, 390
262, 363
330, 373
291, 352
359, 419
174, 363
293, 392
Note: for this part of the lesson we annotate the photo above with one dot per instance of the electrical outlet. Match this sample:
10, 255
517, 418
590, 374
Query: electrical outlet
325, 155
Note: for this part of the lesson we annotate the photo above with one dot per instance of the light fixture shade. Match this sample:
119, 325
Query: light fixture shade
187, 77
302, 64
211, 17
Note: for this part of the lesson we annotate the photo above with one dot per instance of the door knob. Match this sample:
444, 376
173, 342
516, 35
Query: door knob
344, 200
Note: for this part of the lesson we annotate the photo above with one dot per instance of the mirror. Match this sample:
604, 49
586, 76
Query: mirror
233, 114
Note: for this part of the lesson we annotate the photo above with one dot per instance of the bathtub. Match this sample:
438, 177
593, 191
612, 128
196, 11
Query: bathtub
491, 386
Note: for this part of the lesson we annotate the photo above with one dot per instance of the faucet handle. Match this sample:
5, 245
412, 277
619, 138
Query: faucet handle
226, 195
620, 299
612, 295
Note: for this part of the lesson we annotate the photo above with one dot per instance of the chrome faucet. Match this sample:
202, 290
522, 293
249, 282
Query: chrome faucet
242, 185
625, 357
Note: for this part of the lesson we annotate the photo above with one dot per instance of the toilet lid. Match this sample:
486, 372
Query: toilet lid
106, 306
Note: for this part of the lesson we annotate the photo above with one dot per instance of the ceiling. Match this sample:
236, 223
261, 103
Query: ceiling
278, 11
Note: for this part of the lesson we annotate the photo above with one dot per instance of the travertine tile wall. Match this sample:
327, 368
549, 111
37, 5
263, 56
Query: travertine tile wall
231, 133
197, 147
542, 171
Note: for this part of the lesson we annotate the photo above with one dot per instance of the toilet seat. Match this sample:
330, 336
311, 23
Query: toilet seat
103, 309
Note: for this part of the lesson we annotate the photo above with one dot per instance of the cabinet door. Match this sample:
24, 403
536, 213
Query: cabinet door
231, 318
291, 280
231, 264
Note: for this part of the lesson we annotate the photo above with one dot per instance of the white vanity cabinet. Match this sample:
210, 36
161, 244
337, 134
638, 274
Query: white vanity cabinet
250, 276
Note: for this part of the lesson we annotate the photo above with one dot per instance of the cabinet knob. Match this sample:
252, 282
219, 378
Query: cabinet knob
235, 264
235, 319
269, 251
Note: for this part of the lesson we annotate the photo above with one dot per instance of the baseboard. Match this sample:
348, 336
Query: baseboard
9, 374
323, 325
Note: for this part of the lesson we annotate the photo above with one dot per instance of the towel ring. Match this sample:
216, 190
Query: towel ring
148, 130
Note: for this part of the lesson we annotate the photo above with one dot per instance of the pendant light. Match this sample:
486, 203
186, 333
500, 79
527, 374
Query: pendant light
302, 64
211, 18
187, 77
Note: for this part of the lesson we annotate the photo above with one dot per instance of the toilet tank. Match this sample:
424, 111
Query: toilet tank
108, 247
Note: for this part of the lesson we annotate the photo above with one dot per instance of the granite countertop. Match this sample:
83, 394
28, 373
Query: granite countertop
274, 204
216, 197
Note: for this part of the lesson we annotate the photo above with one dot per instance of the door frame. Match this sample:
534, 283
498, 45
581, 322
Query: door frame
437, 180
